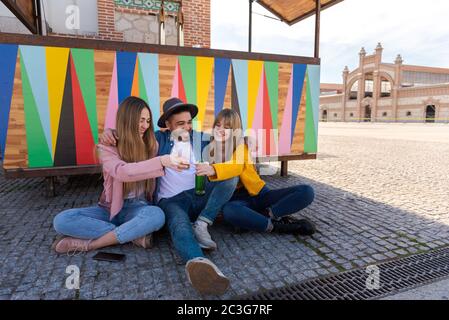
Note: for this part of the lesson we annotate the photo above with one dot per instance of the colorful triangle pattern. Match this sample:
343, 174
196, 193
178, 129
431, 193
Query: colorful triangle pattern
61, 110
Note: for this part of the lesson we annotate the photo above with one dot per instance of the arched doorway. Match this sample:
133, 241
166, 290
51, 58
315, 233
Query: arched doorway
324, 116
430, 114
367, 117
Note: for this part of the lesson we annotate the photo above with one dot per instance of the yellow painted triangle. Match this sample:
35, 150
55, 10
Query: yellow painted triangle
57, 59
204, 67
254, 75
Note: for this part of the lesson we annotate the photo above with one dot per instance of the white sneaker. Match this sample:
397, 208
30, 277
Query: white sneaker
202, 235
206, 277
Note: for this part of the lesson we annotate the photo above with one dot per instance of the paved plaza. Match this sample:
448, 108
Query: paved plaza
381, 193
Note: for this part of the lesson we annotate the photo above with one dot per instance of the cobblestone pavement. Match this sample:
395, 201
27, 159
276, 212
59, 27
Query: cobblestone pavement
381, 193
435, 291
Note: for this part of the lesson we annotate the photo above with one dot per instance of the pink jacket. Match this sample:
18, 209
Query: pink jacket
116, 171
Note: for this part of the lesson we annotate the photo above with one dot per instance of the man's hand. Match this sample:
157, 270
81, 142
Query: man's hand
204, 169
109, 137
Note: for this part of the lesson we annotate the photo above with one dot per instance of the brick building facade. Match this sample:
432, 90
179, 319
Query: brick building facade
388, 92
127, 20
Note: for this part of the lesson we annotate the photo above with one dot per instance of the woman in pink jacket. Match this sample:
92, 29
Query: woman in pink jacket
124, 213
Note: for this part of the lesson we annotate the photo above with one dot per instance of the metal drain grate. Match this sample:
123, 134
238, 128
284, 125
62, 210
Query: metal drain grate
394, 275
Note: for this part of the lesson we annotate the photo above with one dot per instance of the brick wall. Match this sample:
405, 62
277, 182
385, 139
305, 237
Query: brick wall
196, 23
106, 21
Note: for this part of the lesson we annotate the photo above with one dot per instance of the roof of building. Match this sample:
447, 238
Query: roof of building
293, 11
425, 69
331, 86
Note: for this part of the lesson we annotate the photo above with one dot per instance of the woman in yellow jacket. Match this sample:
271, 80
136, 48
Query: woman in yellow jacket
253, 206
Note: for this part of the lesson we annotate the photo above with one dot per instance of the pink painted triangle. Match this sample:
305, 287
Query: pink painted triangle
175, 83
112, 107
285, 134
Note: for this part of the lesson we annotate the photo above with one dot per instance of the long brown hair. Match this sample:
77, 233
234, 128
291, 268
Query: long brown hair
131, 147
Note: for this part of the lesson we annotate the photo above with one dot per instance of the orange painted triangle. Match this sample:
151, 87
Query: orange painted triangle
135, 86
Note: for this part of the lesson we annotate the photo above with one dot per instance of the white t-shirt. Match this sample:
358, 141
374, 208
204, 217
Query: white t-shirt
175, 182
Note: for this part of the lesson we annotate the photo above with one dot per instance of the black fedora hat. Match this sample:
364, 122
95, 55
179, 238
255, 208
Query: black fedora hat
174, 105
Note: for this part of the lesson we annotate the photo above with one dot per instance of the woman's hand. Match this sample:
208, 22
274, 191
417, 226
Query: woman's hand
109, 137
167, 161
204, 169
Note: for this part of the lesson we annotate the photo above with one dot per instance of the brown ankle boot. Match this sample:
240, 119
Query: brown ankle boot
145, 242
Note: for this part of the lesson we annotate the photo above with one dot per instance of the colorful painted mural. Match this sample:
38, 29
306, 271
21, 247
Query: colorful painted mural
55, 101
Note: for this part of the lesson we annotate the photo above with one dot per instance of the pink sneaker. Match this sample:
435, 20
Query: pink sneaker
71, 245
145, 242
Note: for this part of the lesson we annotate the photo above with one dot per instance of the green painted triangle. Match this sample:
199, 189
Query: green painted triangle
142, 89
272, 72
188, 72
310, 143
85, 71
38, 151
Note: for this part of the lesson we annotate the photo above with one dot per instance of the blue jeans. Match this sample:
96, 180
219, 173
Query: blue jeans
135, 220
244, 211
186, 207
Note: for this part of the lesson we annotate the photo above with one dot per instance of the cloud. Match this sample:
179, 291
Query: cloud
418, 32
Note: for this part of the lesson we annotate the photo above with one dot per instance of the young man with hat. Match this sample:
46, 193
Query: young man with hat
176, 196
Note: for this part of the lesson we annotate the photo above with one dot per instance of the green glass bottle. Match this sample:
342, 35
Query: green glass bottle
200, 185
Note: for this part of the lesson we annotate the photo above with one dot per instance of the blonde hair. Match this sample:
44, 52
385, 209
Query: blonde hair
130, 145
231, 119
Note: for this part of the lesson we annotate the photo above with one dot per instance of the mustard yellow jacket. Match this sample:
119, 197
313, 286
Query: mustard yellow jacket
242, 166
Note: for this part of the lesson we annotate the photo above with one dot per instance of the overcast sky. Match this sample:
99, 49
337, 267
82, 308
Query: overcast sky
418, 30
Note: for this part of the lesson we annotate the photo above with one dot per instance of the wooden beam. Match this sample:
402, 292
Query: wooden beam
290, 157
284, 168
250, 25
317, 28
92, 169
52, 41
300, 17
51, 172
25, 11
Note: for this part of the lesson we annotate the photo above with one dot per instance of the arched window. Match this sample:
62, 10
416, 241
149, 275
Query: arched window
369, 85
354, 91
385, 87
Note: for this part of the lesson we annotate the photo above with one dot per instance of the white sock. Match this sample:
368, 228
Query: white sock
201, 223
270, 226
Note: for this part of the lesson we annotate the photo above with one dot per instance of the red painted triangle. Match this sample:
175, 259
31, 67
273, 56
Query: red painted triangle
84, 141
267, 119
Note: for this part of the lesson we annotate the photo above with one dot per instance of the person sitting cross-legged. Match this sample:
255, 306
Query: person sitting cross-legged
187, 214
253, 206
125, 212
